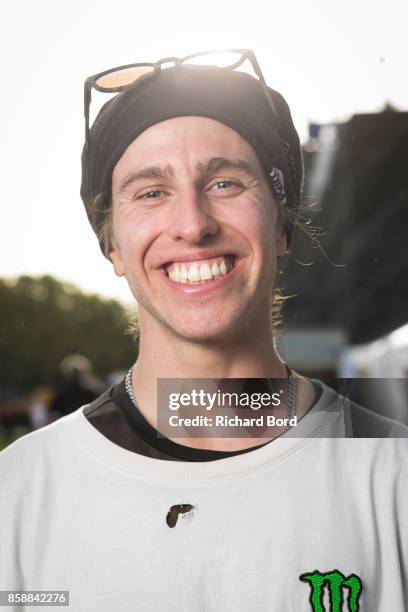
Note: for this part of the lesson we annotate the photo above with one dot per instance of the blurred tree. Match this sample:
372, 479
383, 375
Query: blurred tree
43, 319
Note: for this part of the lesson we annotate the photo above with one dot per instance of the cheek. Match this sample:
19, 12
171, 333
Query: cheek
271, 229
260, 230
133, 238
268, 249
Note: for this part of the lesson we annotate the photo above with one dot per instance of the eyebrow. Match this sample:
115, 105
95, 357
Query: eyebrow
214, 164
223, 163
150, 172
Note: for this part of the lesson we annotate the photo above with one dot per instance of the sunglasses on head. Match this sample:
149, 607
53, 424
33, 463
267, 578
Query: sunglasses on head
121, 78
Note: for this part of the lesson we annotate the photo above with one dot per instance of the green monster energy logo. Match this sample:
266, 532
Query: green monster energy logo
335, 582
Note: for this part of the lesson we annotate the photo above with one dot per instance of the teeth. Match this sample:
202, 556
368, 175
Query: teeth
193, 273
196, 273
205, 272
184, 274
215, 269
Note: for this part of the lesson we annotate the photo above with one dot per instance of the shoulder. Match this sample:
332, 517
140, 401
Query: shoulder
37, 455
49, 446
360, 422
38, 439
368, 424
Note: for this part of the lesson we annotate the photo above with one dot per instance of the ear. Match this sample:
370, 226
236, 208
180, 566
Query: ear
116, 259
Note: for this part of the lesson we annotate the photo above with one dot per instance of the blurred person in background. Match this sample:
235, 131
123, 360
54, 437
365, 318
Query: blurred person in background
77, 385
39, 402
192, 177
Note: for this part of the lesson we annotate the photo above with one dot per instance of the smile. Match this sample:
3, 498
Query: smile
199, 272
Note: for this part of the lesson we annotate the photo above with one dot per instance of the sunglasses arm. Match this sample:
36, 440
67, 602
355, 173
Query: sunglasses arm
87, 104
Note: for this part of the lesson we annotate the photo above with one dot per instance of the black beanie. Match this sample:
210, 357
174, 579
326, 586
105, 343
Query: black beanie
231, 97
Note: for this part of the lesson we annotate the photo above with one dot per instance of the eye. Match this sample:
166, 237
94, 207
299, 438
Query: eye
222, 185
153, 194
226, 187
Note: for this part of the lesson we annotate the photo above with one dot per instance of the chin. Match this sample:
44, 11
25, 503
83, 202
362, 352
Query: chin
204, 333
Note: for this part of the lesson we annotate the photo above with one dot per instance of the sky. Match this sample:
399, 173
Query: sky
329, 59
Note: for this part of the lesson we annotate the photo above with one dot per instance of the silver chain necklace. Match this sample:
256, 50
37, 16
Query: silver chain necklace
291, 390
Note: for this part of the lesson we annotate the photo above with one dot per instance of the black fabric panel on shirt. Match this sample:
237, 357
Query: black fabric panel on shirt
167, 447
110, 421
114, 415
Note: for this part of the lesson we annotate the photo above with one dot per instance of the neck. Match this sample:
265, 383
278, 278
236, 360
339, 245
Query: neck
163, 355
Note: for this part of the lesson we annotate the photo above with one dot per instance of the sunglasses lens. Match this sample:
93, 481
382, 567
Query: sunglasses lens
126, 76
221, 59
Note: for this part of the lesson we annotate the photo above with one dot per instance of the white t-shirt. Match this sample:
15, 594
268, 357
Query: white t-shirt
79, 513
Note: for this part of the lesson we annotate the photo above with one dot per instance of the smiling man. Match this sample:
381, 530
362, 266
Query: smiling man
197, 238
191, 180
200, 268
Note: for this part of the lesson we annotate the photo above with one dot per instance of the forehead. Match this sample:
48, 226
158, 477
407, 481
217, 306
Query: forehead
184, 139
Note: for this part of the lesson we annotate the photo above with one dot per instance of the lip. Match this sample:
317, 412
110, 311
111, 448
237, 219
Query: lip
204, 288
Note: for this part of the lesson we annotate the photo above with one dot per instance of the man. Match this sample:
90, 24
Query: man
191, 180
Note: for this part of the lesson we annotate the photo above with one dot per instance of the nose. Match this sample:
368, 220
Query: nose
192, 219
